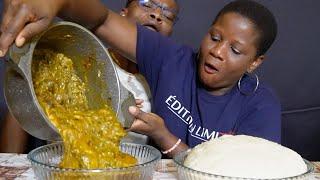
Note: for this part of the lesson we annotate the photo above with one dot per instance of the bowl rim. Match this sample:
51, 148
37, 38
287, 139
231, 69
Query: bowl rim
98, 170
310, 169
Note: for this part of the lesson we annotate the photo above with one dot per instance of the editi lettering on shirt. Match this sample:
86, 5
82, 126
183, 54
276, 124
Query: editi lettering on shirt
197, 131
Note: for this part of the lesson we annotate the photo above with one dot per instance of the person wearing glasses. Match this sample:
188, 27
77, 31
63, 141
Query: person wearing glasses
197, 95
158, 16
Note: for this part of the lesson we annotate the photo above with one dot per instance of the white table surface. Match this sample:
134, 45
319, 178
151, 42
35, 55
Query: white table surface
16, 166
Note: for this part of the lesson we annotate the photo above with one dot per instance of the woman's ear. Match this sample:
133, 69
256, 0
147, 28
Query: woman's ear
255, 64
124, 12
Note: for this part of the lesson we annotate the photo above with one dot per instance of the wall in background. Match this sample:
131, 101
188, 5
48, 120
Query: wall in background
292, 62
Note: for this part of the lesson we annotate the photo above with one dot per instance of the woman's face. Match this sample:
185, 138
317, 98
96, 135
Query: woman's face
228, 51
157, 15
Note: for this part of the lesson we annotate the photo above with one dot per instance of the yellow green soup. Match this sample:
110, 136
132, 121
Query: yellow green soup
91, 137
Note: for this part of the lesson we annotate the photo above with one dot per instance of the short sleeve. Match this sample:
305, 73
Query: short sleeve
152, 52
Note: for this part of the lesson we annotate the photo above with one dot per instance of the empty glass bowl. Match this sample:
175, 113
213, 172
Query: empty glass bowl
45, 160
187, 173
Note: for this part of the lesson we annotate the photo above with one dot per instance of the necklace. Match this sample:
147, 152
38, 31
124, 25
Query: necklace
116, 60
124, 64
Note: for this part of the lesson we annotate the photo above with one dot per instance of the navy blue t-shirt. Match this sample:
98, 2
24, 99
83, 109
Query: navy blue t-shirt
189, 111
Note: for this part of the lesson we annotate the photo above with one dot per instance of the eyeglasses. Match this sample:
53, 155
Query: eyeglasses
169, 15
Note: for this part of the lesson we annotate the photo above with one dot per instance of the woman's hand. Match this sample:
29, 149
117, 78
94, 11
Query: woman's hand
139, 103
23, 19
153, 126
149, 124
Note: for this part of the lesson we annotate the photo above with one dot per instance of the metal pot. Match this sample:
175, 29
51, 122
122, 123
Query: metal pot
80, 45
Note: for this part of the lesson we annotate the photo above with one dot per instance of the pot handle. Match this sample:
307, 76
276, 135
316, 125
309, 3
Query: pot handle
17, 53
127, 117
126, 100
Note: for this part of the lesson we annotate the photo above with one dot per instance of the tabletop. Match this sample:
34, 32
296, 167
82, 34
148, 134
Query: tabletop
16, 166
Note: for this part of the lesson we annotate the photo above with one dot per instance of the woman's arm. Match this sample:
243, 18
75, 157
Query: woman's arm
120, 34
109, 26
24, 19
90, 14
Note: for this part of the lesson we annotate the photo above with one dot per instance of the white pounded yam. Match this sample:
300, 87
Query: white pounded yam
245, 157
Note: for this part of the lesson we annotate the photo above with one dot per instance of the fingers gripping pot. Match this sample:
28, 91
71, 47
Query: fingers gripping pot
82, 47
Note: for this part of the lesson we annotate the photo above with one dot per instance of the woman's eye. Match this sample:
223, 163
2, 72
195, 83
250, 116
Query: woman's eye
235, 51
147, 5
168, 15
169, 18
215, 38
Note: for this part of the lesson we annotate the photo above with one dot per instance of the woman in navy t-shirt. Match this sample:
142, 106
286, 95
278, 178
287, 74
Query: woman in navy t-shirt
203, 95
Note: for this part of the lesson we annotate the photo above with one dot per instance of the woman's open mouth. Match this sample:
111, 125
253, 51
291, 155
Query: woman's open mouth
151, 27
210, 69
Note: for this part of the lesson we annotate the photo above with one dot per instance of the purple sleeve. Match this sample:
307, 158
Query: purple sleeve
152, 52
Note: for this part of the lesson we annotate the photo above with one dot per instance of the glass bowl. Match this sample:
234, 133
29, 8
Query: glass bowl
187, 173
45, 160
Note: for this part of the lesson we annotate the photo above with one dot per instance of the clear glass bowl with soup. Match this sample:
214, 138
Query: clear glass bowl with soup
45, 164
187, 173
